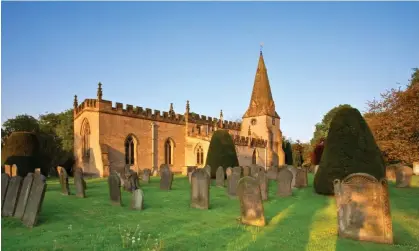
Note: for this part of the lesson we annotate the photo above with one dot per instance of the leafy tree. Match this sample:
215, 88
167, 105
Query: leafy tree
65, 130
21, 123
297, 153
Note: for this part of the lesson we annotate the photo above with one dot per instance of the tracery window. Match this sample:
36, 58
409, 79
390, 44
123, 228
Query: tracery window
168, 151
85, 135
129, 150
199, 156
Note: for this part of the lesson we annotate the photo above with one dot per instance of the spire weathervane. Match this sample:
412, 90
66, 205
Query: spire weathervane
261, 47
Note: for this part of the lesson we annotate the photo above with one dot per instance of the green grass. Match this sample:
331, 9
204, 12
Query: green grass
305, 221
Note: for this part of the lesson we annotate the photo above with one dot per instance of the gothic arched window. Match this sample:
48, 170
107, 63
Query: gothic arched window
129, 150
85, 136
168, 151
199, 155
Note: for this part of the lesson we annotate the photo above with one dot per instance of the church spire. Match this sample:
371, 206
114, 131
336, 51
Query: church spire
261, 102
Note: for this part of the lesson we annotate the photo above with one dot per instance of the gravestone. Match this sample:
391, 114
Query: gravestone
391, 171
263, 184
238, 170
79, 183
301, 179
403, 176
208, 169
294, 174
37, 171
24, 195
272, 172
12, 196
190, 176
232, 182
416, 168
155, 171
137, 199
166, 178
246, 171
35, 201
254, 170
133, 179
5, 178
251, 205
190, 169
65, 188
363, 208
229, 171
284, 182
220, 177
114, 183
146, 175
200, 185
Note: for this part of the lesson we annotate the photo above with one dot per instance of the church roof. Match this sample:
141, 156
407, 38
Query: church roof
261, 102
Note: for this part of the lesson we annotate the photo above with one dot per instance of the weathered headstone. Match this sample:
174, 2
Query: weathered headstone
190, 169
146, 175
229, 171
294, 174
238, 170
12, 196
363, 208
263, 180
35, 201
78, 182
5, 178
301, 178
246, 171
208, 169
200, 185
166, 178
114, 183
284, 182
37, 171
220, 177
272, 172
251, 206
24, 195
137, 199
403, 176
391, 171
416, 168
133, 180
232, 182
65, 188
254, 170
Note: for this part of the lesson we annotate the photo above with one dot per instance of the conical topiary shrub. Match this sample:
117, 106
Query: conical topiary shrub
349, 148
221, 152
22, 149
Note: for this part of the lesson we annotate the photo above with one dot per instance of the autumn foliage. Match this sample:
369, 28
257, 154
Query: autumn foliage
316, 155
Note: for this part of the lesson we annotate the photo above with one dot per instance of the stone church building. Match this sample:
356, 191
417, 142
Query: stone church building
108, 137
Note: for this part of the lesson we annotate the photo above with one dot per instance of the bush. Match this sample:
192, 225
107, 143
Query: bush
349, 148
221, 152
22, 149
316, 155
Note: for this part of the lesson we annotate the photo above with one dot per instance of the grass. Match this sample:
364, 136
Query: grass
305, 221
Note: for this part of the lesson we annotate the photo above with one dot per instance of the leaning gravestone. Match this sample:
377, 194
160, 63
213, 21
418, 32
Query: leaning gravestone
24, 195
294, 174
78, 182
137, 199
200, 185
403, 176
146, 175
5, 178
246, 171
220, 177
114, 183
272, 172
251, 205
12, 196
35, 201
301, 178
65, 188
363, 208
166, 178
284, 182
416, 168
263, 180
232, 182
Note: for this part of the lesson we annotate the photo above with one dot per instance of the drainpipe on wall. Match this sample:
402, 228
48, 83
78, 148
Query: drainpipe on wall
153, 146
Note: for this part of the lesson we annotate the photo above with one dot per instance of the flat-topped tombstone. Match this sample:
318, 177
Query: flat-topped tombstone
254, 170
200, 185
263, 181
416, 168
35, 201
301, 178
284, 182
251, 205
65, 188
363, 208
272, 172
229, 171
5, 178
403, 176
78, 182
166, 178
137, 199
294, 174
24, 195
146, 175
114, 183
246, 171
12, 196
232, 182
220, 177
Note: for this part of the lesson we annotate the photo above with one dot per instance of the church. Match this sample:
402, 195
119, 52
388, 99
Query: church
109, 137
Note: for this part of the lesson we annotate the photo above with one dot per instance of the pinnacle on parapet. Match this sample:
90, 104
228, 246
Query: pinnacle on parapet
75, 102
187, 106
99, 91
221, 115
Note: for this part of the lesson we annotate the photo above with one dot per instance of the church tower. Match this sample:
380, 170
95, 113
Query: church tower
261, 117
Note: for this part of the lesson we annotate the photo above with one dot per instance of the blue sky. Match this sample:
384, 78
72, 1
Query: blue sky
318, 55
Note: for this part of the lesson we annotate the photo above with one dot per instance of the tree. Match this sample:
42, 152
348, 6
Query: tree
297, 153
394, 122
349, 148
65, 130
316, 154
20, 123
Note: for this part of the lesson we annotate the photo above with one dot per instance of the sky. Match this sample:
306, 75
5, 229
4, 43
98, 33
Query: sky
151, 54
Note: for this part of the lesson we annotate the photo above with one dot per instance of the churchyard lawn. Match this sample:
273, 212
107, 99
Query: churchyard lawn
305, 221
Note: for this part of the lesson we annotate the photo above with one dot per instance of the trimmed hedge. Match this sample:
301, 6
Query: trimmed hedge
349, 148
221, 152
22, 149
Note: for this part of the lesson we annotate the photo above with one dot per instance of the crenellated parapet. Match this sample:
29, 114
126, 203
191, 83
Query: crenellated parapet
204, 120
